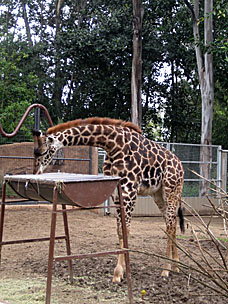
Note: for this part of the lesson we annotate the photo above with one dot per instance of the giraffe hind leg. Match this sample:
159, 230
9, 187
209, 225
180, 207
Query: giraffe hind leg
175, 257
168, 210
174, 247
171, 224
161, 203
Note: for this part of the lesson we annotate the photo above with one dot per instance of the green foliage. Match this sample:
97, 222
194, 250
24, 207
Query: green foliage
220, 54
99, 45
220, 123
183, 113
11, 117
179, 93
15, 84
220, 45
190, 189
17, 87
80, 64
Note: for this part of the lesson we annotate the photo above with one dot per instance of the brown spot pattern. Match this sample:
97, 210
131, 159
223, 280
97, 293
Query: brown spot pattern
144, 166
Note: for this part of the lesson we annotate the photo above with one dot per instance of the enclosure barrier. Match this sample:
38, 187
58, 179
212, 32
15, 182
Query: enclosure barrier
189, 154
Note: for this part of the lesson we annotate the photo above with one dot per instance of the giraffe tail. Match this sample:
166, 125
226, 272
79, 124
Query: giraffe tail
181, 219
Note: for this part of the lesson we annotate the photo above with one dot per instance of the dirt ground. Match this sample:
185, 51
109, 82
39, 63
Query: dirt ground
26, 264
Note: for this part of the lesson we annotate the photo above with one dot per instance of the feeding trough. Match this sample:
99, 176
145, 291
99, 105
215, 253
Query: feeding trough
73, 189
83, 191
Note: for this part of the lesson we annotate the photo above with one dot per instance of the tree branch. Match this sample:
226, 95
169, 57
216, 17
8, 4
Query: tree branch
29, 37
189, 6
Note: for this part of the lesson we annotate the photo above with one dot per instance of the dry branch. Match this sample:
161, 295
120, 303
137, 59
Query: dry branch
210, 265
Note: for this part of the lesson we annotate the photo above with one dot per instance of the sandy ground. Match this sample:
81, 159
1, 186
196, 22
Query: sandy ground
90, 232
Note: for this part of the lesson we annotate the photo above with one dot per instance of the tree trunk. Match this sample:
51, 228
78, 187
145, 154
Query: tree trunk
57, 90
28, 32
207, 93
205, 72
136, 106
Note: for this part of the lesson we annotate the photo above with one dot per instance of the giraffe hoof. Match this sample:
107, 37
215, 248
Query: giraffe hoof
118, 274
116, 280
165, 273
175, 269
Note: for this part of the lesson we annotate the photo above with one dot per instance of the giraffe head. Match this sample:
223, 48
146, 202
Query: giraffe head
45, 147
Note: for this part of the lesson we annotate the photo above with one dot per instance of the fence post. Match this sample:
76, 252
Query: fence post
224, 169
219, 166
90, 159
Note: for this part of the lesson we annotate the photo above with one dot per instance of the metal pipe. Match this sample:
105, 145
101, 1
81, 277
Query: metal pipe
88, 255
125, 244
32, 240
35, 105
90, 160
55, 158
37, 119
51, 246
2, 215
67, 234
219, 166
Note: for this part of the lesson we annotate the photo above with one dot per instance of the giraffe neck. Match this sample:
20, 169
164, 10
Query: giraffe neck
110, 138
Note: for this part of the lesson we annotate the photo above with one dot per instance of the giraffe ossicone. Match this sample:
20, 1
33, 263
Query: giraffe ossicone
145, 168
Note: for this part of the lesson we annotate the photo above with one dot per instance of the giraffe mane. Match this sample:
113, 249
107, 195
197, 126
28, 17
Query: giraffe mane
94, 121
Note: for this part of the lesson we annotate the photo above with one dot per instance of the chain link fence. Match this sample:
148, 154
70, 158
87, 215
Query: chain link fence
189, 154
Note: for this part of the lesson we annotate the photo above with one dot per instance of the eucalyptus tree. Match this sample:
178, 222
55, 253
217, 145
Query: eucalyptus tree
136, 69
80, 56
204, 57
220, 53
169, 65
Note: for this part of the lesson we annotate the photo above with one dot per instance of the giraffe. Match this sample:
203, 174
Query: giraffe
145, 168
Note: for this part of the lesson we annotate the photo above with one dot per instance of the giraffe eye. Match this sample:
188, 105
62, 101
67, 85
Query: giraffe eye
50, 140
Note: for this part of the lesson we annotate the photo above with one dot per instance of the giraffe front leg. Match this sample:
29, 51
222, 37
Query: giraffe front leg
129, 198
120, 267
